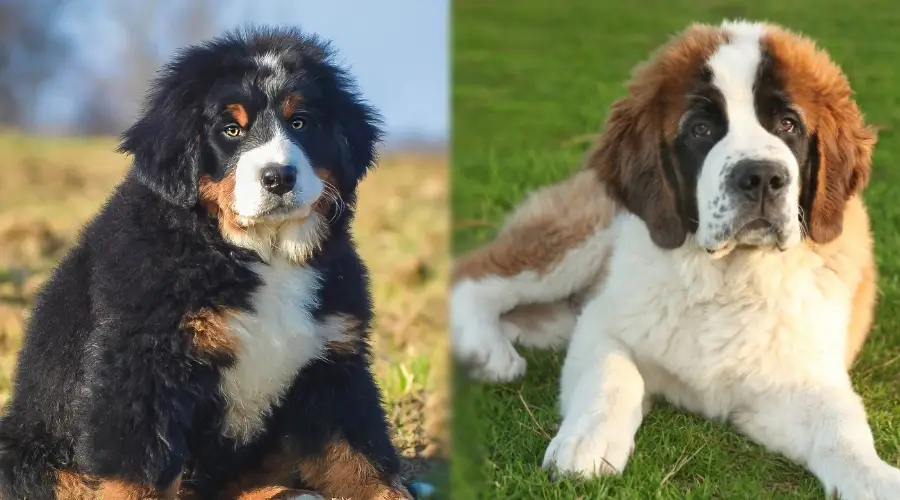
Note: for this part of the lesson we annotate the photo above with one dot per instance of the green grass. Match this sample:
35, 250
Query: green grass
532, 82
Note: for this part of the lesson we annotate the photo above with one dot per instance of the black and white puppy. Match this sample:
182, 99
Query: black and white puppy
207, 335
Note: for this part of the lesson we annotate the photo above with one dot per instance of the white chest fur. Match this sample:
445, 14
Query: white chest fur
273, 343
708, 333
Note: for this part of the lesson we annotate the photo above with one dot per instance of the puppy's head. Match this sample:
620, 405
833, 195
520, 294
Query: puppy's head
742, 134
261, 129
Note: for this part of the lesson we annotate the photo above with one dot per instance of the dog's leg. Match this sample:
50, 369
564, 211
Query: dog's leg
603, 401
333, 436
73, 486
552, 247
541, 325
824, 427
143, 386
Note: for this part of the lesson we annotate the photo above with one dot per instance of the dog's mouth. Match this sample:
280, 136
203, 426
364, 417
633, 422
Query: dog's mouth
278, 214
755, 233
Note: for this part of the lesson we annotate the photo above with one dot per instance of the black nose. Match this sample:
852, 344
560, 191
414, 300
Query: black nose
759, 179
279, 179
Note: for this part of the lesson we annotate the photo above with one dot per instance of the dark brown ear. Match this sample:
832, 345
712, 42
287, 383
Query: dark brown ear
840, 167
629, 160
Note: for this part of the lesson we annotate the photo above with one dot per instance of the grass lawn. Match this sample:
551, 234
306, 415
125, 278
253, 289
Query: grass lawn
50, 186
532, 82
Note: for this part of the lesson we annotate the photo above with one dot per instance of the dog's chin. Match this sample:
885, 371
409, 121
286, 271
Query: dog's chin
277, 215
758, 234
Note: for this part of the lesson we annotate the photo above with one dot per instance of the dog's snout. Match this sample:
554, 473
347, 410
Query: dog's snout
760, 179
279, 179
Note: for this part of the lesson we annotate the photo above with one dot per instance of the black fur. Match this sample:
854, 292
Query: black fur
106, 382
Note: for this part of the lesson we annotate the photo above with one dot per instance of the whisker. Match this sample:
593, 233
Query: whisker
804, 229
333, 195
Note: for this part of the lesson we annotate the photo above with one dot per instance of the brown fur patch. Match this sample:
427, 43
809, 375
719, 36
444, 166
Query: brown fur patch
276, 473
217, 197
270, 493
821, 90
290, 104
239, 113
73, 486
862, 313
342, 472
549, 223
339, 472
629, 157
850, 256
211, 336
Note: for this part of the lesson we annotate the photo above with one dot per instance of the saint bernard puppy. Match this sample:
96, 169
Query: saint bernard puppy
715, 251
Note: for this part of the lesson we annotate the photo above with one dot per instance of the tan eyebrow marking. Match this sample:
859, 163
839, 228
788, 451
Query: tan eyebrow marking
239, 113
290, 104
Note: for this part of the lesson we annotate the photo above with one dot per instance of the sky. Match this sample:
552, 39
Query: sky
396, 49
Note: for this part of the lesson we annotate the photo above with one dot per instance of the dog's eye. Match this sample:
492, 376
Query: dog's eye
231, 130
787, 125
701, 130
298, 122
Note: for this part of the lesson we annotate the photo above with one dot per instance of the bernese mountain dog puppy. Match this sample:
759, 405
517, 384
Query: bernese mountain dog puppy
207, 335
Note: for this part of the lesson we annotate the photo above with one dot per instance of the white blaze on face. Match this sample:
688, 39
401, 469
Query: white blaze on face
252, 200
734, 68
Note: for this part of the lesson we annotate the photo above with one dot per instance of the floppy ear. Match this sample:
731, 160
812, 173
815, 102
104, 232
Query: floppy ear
629, 159
356, 128
165, 143
840, 163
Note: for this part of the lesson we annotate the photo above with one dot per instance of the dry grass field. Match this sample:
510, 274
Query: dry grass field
50, 186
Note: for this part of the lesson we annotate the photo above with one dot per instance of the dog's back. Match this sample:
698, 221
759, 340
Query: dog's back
33, 436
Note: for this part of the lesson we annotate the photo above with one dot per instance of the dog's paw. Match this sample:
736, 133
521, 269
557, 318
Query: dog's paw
487, 354
878, 482
589, 447
477, 338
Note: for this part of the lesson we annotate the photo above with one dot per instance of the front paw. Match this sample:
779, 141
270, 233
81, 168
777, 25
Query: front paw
878, 482
487, 355
590, 447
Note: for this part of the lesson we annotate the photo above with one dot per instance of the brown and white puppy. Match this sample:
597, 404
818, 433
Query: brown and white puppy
715, 251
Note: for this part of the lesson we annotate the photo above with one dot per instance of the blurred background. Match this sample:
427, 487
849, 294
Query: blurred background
81, 66
72, 74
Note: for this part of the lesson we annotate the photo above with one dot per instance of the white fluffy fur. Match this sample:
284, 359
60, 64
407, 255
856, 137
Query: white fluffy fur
757, 338
272, 344
295, 239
